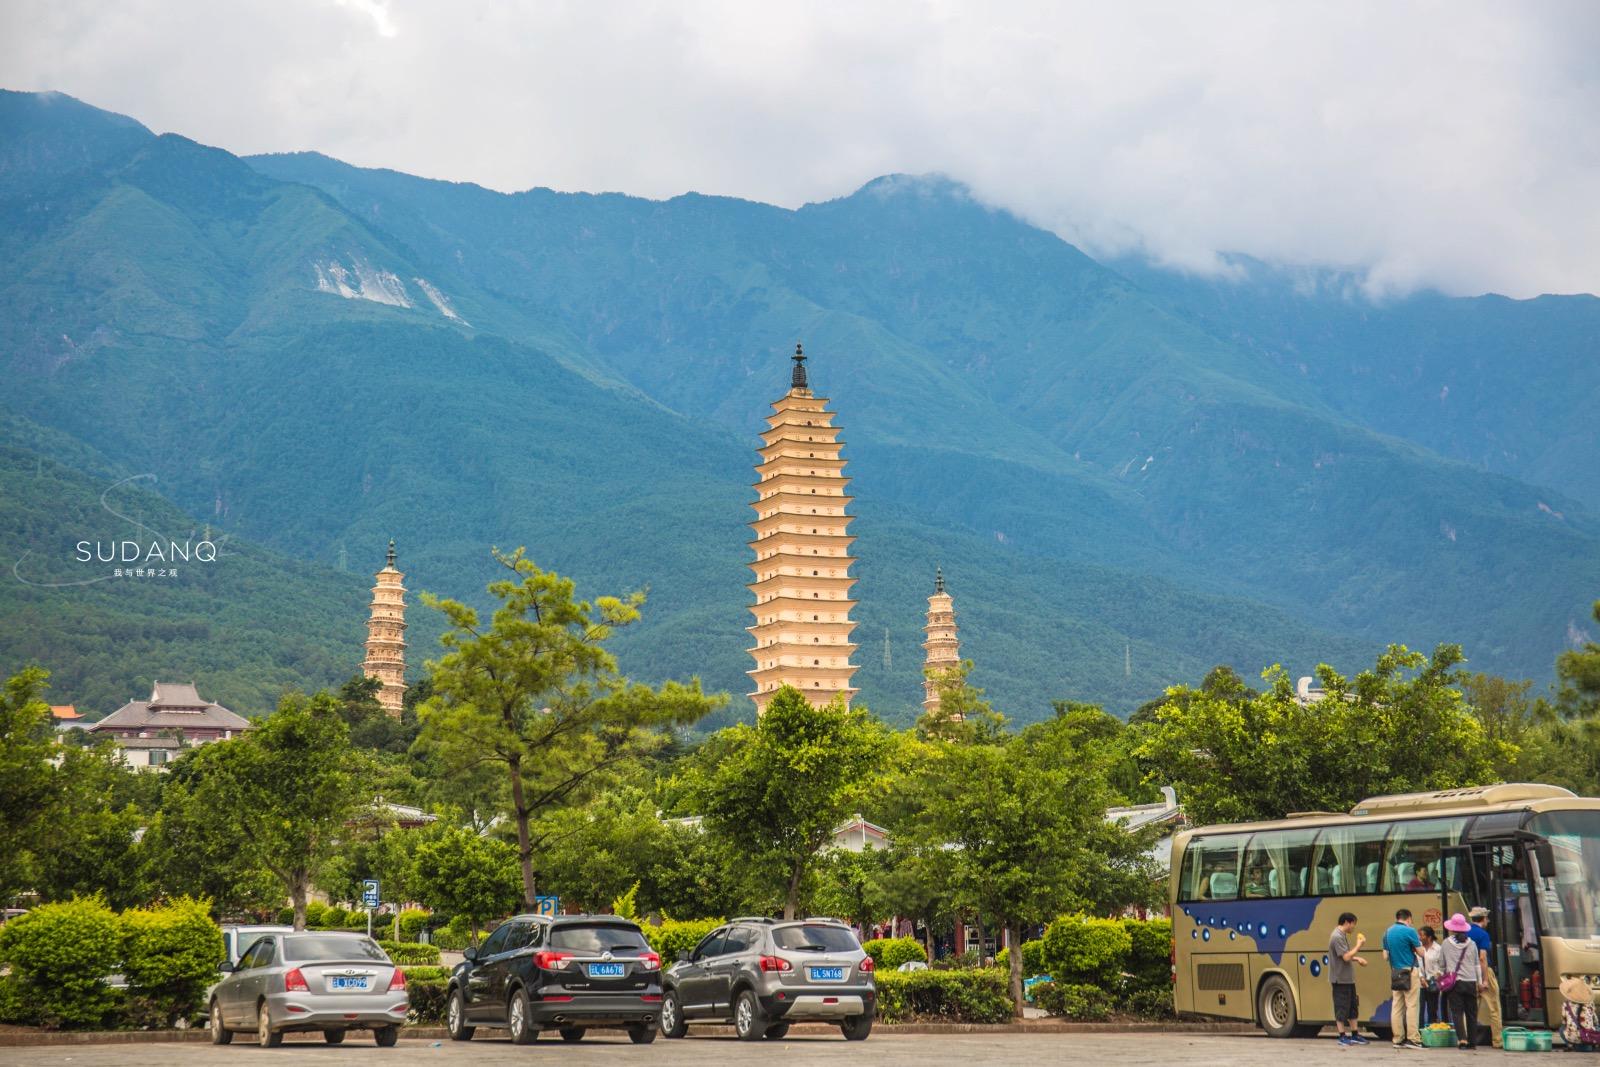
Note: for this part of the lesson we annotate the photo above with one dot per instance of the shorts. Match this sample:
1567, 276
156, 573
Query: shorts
1346, 1006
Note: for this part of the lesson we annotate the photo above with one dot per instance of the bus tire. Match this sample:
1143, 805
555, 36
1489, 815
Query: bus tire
1275, 1008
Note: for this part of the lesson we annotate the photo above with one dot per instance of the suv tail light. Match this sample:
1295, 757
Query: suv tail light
398, 981
775, 963
867, 966
550, 961
650, 960
295, 982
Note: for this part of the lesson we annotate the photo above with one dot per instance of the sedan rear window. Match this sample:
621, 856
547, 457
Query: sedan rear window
593, 940
311, 948
815, 938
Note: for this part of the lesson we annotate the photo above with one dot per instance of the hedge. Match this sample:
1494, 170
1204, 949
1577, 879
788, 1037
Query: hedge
1079, 950
412, 920
169, 955
678, 935
1074, 1001
1149, 963
316, 912
410, 953
427, 974
428, 998
453, 936
60, 955
969, 996
890, 952
336, 917
1032, 959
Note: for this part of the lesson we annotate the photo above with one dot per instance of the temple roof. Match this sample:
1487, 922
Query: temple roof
172, 705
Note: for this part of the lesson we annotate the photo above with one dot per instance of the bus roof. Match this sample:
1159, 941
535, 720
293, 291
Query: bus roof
1510, 795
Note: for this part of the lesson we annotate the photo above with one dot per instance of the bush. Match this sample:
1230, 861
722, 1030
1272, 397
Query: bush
286, 916
60, 955
411, 954
427, 974
890, 952
335, 918
678, 935
316, 910
966, 961
428, 998
1151, 1003
14, 1007
1073, 1001
1149, 963
1032, 959
453, 936
412, 920
1082, 951
170, 955
980, 995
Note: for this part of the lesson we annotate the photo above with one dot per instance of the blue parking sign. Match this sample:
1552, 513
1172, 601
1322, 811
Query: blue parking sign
546, 905
369, 893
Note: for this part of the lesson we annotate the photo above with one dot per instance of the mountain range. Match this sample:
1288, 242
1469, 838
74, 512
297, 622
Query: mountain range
1128, 474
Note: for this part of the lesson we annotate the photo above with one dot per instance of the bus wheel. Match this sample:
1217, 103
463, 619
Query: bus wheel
1275, 1008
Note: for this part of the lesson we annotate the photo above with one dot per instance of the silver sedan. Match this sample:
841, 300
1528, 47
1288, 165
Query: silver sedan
310, 981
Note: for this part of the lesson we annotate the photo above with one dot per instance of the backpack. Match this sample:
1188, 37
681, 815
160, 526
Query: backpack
1579, 1025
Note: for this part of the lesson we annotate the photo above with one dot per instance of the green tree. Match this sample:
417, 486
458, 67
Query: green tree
963, 713
1021, 822
371, 725
777, 790
95, 845
852, 885
460, 872
27, 779
1402, 726
1578, 674
285, 790
537, 693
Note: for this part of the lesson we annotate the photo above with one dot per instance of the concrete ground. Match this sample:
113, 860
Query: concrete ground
881, 1050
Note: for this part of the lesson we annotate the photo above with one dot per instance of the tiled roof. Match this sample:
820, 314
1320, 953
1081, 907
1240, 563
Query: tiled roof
172, 706
170, 743
65, 711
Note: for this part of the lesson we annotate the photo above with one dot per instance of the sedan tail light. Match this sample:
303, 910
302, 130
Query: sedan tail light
398, 981
775, 963
867, 966
550, 961
651, 961
295, 982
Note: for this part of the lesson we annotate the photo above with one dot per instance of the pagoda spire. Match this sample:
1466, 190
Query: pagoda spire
942, 645
386, 628
802, 566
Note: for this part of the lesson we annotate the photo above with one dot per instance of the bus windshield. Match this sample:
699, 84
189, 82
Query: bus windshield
1573, 909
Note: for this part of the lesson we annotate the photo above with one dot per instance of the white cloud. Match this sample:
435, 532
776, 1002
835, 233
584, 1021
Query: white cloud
1450, 144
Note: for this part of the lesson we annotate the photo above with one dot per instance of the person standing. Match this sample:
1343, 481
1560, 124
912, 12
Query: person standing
1462, 964
1489, 987
1402, 947
1343, 958
1432, 953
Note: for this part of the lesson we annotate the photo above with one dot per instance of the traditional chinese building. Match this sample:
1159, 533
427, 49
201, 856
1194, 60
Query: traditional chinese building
802, 566
152, 732
942, 646
386, 632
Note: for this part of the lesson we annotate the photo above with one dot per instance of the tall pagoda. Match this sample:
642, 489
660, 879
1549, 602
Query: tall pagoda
386, 645
944, 650
802, 565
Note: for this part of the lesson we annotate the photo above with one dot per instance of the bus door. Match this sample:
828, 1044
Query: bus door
1495, 875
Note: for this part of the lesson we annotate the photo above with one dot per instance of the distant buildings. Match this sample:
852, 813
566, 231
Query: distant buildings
386, 633
152, 732
802, 566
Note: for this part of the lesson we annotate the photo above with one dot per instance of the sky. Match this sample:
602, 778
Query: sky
1448, 145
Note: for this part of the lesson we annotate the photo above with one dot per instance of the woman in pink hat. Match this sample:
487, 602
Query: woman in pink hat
1462, 968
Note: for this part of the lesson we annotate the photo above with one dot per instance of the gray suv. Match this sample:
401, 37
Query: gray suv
763, 974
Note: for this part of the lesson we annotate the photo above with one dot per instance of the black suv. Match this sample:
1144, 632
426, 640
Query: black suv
567, 973
763, 974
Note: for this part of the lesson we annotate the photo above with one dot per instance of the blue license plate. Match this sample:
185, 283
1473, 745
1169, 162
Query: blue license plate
605, 970
827, 974
348, 983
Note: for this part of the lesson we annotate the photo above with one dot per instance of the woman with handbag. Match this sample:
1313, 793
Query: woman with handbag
1432, 954
1462, 969
1580, 1028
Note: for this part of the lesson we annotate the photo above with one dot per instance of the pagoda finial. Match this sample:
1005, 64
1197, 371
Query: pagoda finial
391, 552
938, 579
798, 381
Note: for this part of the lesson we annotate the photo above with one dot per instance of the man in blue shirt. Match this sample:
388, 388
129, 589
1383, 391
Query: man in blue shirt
1401, 947
1489, 988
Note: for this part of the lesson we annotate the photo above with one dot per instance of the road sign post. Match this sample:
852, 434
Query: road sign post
369, 900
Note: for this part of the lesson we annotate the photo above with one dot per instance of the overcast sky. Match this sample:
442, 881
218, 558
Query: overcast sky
1447, 144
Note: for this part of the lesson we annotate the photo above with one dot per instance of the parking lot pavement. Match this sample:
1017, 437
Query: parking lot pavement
882, 1050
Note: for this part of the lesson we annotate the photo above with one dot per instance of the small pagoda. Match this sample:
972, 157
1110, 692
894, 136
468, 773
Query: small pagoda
386, 630
802, 566
942, 646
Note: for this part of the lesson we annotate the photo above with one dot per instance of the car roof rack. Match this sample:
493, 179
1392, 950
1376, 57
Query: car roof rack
823, 919
753, 919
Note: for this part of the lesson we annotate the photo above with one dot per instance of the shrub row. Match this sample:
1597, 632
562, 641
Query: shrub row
427, 997
1032, 959
60, 955
967, 996
677, 935
411, 953
890, 952
1098, 966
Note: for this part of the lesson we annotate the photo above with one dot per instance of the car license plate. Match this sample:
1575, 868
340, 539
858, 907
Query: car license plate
827, 974
605, 970
349, 983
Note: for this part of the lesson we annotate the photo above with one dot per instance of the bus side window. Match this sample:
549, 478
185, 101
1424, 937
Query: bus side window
1275, 864
1349, 859
1416, 862
1211, 867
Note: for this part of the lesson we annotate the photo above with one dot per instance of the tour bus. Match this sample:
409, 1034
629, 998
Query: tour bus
1253, 905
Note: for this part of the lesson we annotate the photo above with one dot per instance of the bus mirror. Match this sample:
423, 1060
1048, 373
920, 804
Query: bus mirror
1546, 856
